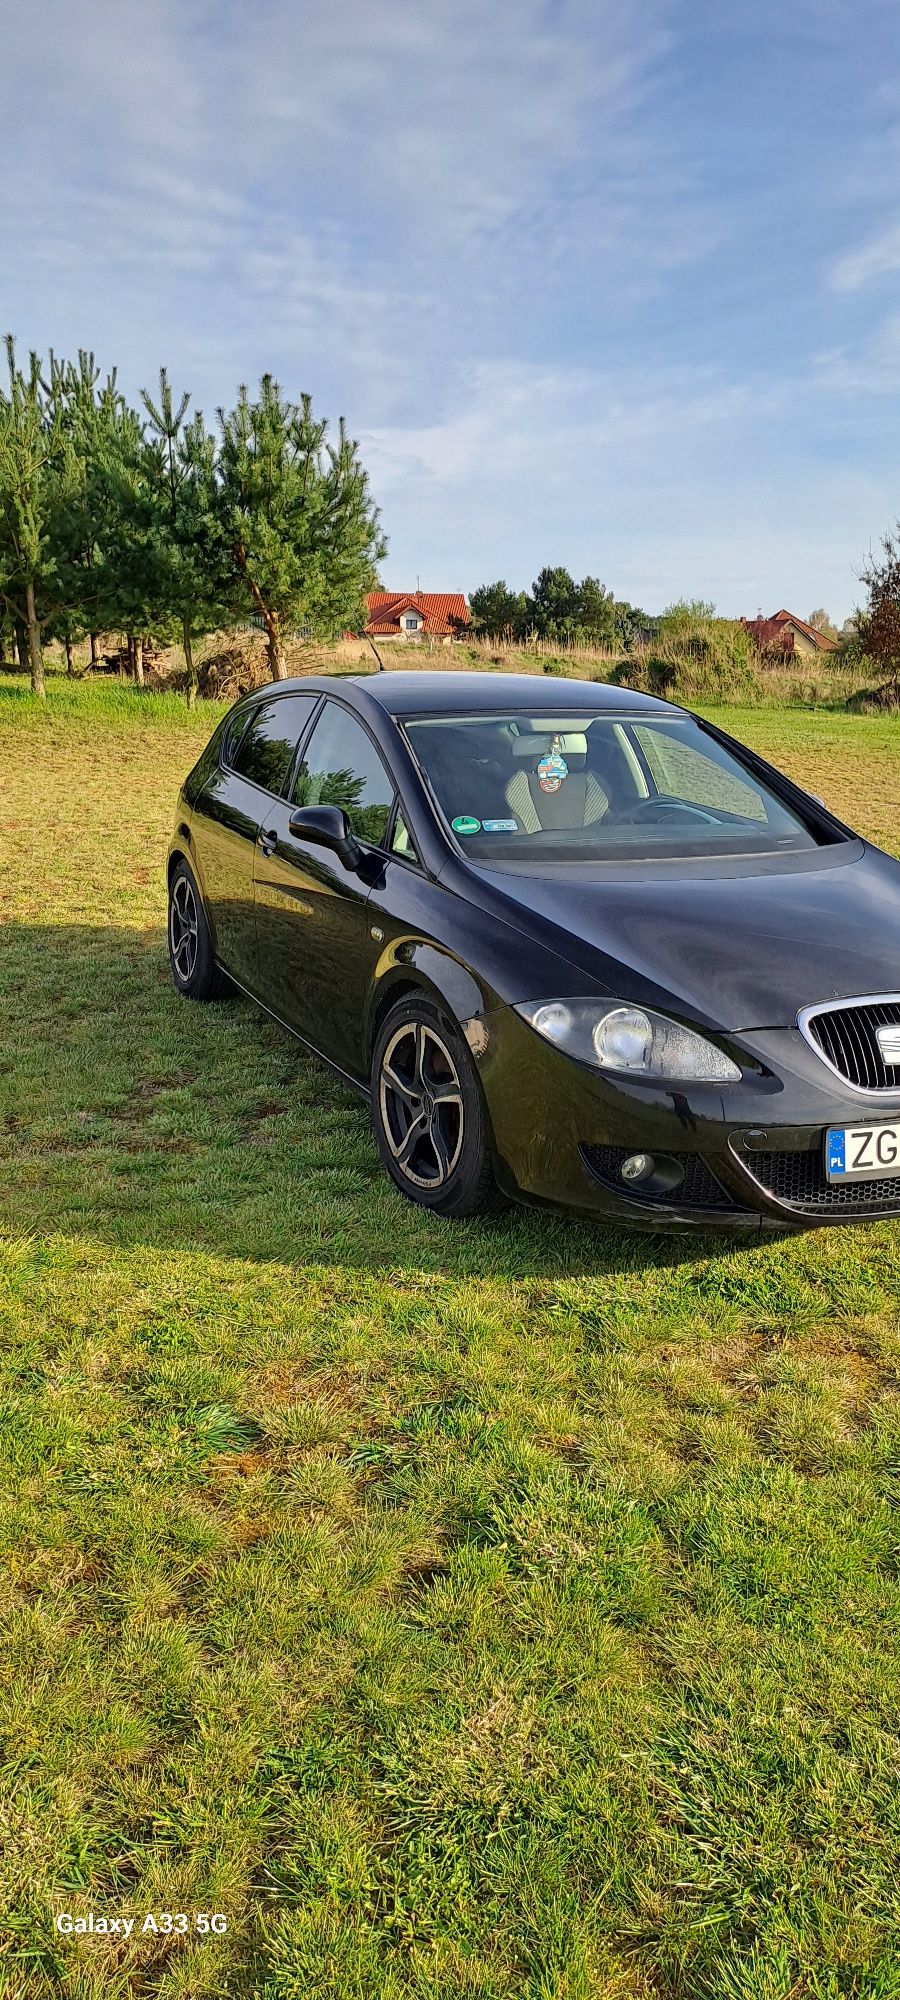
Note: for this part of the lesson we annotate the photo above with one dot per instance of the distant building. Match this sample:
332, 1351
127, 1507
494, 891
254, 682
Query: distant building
788, 635
416, 614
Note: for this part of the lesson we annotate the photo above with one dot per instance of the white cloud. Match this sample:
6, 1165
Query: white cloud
451, 114
683, 488
355, 197
878, 258
451, 153
471, 227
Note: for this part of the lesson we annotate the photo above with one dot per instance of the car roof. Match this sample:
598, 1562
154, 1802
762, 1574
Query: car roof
417, 692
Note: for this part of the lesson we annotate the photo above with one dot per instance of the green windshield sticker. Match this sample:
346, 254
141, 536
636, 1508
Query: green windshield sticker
466, 824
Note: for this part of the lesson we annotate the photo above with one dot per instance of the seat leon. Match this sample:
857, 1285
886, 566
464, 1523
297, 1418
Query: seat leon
573, 944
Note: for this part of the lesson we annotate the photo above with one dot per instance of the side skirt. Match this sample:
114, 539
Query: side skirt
343, 1075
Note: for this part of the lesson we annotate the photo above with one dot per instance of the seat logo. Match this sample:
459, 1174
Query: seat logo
888, 1039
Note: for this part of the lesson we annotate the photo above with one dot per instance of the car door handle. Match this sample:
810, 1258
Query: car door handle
267, 840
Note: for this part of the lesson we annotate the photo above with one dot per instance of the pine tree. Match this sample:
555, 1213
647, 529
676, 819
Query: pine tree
498, 612
31, 473
127, 568
303, 531
553, 605
190, 549
85, 526
595, 612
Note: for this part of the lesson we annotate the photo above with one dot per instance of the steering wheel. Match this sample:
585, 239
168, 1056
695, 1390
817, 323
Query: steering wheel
663, 809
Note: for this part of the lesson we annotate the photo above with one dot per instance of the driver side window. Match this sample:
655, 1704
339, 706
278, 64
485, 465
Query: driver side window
341, 767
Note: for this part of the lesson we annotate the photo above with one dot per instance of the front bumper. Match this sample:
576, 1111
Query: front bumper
751, 1154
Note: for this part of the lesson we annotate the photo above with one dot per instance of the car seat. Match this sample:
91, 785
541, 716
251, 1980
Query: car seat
468, 770
582, 799
619, 775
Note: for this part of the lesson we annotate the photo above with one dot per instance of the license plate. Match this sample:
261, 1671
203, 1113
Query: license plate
862, 1153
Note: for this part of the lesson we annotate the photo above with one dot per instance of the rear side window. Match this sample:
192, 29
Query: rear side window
266, 750
232, 733
341, 767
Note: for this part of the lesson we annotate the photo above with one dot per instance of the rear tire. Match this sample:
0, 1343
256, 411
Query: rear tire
193, 967
430, 1121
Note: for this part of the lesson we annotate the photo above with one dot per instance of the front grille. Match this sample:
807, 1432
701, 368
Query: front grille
698, 1189
798, 1179
847, 1037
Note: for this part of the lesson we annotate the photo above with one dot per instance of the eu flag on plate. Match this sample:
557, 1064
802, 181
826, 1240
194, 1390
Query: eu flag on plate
837, 1163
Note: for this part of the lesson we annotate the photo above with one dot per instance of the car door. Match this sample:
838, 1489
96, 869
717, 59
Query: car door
315, 953
256, 758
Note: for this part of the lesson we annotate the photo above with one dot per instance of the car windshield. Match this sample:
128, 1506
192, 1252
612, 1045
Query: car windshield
544, 787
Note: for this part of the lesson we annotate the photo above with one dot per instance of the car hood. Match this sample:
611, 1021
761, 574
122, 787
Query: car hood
734, 944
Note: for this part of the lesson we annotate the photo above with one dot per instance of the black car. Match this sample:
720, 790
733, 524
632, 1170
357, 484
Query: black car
574, 944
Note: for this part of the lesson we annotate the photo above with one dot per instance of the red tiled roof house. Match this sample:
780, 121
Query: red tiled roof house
416, 614
788, 635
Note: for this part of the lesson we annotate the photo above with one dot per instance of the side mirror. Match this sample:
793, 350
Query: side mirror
327, 826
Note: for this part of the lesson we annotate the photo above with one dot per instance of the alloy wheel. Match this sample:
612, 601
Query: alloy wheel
421, 1102
183, 929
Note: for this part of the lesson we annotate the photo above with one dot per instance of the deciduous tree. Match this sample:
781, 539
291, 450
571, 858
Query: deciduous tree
634, 627
820, 622
880, 623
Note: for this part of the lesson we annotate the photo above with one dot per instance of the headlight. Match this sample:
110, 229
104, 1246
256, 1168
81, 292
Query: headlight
632, 1040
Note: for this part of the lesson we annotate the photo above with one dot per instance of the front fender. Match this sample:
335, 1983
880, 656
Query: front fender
411, 965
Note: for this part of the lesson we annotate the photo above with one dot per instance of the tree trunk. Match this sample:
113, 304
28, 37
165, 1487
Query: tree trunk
139, 661
275, 651
69, 667
189, 661
95, 655
2, 645
35, 656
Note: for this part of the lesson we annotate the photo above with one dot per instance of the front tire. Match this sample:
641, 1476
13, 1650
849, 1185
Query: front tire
428, 1112
193, 967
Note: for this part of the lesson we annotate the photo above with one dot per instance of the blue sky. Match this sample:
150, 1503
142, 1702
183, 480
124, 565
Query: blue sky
616, 286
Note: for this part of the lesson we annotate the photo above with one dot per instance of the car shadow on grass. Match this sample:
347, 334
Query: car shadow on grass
130, 1115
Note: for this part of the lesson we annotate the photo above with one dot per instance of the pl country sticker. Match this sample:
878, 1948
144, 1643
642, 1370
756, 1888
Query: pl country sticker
465, 823
500, 825
551, 771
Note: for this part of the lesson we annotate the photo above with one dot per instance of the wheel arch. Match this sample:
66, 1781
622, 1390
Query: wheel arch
180, 850
437, 976
183, 848
450, 988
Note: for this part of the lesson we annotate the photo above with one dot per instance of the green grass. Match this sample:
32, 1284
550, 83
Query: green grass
484, 1610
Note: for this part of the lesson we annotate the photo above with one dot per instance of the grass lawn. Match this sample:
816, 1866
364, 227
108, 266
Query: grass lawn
485, 1610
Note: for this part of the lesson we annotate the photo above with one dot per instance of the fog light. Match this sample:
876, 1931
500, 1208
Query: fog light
637, 1167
